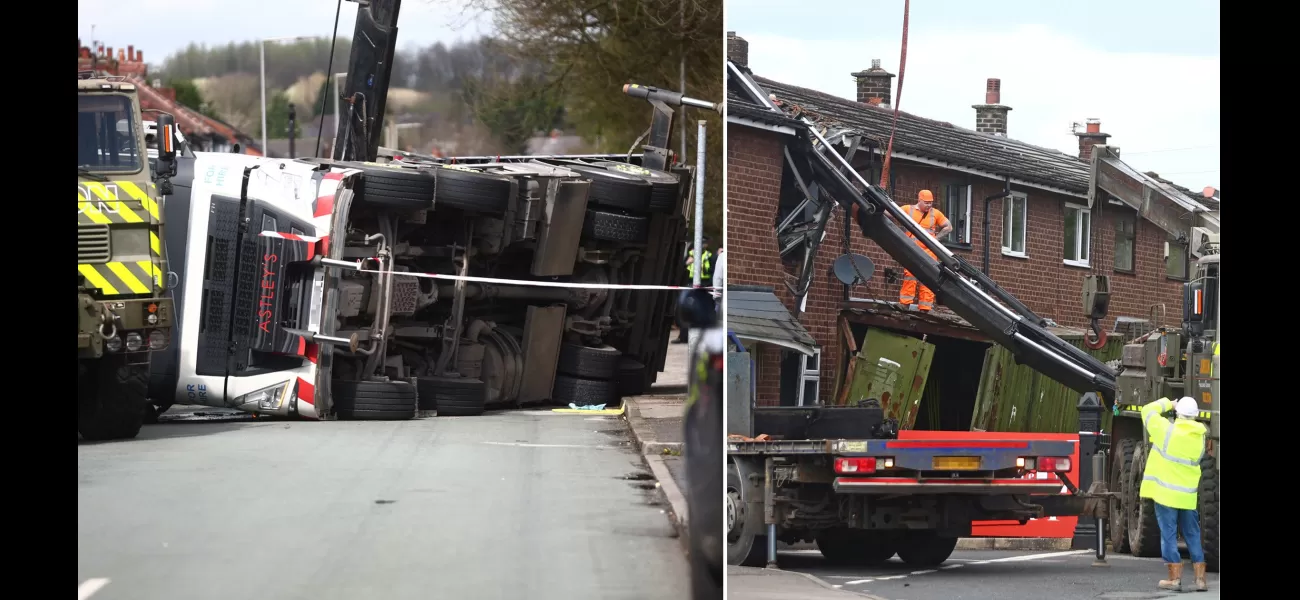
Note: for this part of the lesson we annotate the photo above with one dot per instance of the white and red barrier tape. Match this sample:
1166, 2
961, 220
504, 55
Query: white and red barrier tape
527, 282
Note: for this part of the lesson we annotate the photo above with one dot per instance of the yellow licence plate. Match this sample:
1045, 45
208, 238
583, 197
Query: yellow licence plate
957, 463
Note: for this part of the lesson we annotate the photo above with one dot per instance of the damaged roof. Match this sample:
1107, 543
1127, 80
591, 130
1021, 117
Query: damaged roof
755, 313
933, 140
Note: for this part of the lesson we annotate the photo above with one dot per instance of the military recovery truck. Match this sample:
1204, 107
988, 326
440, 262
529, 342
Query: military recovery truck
1167, 363
123, 312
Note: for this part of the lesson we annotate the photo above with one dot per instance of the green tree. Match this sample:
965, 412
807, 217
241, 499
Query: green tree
513, 110
188, 95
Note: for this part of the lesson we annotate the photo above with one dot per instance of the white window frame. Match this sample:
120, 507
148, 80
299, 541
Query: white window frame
965, 234
813, 375
1079, 234
1007, 205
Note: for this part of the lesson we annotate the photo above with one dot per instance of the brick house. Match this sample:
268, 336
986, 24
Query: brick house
1056, 226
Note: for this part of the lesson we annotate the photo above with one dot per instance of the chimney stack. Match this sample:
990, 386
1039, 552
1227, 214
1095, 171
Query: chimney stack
737, 49
875, 85
991, 117
1089, 137
130, 53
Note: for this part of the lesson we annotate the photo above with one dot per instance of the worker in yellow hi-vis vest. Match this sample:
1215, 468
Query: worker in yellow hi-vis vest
1171, 479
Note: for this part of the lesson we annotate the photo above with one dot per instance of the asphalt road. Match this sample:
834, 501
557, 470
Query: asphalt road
507, 505
1005, 575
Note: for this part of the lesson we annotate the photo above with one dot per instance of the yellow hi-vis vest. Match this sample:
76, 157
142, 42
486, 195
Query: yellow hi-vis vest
1173, 471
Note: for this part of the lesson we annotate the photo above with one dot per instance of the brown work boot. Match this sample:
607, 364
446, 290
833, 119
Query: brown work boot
1175, 581
1199, 570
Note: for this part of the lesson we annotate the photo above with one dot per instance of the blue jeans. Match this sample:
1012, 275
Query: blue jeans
1173, 519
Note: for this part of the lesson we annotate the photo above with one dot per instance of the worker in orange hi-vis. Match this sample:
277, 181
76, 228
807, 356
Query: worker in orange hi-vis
930, 219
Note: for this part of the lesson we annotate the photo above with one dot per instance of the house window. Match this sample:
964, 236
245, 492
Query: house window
810, 383
1014, 222
1125, 236
956, 207
801, 378
1176, 259
1078, 235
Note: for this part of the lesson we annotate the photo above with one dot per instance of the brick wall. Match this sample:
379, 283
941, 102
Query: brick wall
1040, 280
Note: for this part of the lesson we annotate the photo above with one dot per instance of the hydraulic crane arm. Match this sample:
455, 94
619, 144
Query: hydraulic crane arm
954, 283
374, 44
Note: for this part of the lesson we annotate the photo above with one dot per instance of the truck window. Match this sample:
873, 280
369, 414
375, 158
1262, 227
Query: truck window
106, 140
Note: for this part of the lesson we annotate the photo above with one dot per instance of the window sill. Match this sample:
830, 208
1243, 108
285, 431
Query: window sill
1014, 254
1081, 264
1126, 271
957, 246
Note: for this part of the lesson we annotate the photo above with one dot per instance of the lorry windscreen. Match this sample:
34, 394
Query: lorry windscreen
106, 134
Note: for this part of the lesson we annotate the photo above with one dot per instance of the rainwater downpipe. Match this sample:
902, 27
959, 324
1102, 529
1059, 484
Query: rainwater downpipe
1006, 191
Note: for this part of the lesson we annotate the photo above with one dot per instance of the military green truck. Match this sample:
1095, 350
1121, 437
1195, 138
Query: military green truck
123, 309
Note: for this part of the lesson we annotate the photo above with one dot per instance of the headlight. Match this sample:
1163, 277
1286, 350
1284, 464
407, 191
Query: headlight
152, 318
134, 342
270, 398
157, 340
114, 344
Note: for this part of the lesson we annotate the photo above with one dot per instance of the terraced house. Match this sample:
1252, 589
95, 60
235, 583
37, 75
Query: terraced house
1034, 219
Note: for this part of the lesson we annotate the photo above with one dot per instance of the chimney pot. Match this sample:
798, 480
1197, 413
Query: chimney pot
875, 63
737, 49
139, 56
130, 53
1094, 125
121, 55
993, 93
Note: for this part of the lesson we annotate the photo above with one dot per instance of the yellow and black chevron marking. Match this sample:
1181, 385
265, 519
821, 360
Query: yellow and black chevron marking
120, 278
114, 202
1205, 414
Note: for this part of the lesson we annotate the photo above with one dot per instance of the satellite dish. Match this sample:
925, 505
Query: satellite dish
847, 268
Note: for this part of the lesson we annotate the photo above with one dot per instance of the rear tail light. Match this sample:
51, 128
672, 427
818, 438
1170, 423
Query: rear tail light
855, 465
1054, 464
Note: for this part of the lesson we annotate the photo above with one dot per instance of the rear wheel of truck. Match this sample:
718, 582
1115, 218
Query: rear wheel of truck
663, 186
1140, 513
614, 189
467, 189
1120, 467
925, 548
614, 227
857, 547
111, 399
452, 396
1207, 501
395, 186
588, 362
582, 392
747, 550
374, 400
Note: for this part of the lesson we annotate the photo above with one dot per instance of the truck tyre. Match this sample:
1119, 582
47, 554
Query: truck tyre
1143, 530
452, 396
111, 399
925, 548
588, 362
374, 400
1207, 501
630, 377
614, 189
395, 186
746, 550
1121, 465
582, 392
467, 189
615, 227
857, 547
663, 186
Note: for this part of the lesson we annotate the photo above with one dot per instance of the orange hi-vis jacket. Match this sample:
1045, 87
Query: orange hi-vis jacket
932, 221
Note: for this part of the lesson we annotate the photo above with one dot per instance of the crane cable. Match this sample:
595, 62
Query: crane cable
902, 66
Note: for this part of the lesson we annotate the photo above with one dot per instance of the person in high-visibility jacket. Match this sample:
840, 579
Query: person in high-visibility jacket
931, 219
1171, 480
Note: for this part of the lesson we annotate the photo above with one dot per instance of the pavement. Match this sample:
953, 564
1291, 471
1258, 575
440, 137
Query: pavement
523, 504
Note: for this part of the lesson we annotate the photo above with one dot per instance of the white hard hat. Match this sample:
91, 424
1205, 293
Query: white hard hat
1186, 407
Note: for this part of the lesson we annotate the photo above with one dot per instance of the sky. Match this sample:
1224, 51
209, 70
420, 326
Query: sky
1148, 70
158, 29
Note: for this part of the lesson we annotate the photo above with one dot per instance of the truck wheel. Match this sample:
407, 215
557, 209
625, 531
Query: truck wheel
1121, 465
582, 392
925, 548
588, 362
394, 186
614, 189
111, 399
615, 227
630, 377
857, 547
467, 189
1207, 500
663, 186
374, 400
742, 549
452, 396
1143, 530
